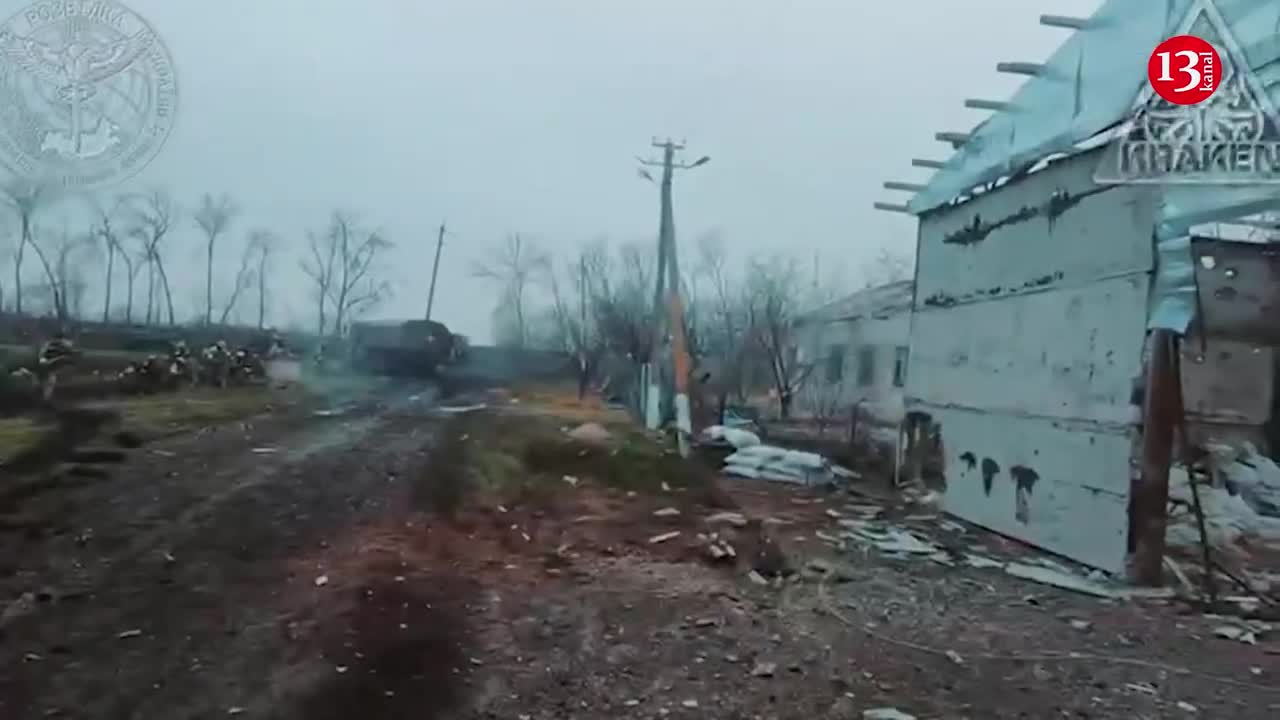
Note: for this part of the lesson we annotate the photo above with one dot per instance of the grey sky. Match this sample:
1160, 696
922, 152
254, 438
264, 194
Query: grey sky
525, 115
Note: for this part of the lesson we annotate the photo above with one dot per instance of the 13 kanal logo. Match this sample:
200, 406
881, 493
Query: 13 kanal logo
1185, 70
1202, 118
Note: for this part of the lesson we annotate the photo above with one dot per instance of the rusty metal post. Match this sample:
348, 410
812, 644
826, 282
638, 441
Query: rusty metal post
1151, 492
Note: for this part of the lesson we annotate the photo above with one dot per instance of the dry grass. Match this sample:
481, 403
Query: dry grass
522, 453
101, 361
562, 402
148, 417
166, 414
18, 434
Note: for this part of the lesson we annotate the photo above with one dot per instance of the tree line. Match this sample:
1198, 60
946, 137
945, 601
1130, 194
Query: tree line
596, 305
58, 245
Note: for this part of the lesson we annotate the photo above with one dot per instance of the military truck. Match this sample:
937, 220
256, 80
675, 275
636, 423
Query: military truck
411, 348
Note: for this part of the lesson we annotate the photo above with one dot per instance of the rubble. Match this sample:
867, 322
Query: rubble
1231, 523
902, 543
719, 548
730, 518
1234, 632
462, 409
1251, 475
886, 714
1060, 579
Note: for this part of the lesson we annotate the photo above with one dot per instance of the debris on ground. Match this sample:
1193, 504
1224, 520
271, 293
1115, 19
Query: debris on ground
591, 433
888, 540
460, 409
1231, 522
897, 542
886, 714
1248, 473
729, 518
720, 549
570, 598
1060, 579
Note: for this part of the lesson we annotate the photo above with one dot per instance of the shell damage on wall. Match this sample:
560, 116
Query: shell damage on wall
1025, 343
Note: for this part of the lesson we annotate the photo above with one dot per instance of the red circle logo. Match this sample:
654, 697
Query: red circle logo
1185, 70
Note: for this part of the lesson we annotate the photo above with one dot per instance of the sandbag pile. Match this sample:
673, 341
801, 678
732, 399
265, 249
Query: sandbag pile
768, 462
734, 437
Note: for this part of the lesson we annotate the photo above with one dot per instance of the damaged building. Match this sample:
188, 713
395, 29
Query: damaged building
857, 349
1069, 323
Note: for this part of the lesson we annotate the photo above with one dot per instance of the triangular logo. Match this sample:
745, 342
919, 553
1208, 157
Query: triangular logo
1233, 138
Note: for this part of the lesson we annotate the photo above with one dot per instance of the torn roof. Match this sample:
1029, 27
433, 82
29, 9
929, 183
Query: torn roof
1091, 84
881, 299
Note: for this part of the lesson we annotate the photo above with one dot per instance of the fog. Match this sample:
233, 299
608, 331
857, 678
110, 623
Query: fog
500, 117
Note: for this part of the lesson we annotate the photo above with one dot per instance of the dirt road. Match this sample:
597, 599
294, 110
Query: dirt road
328, 566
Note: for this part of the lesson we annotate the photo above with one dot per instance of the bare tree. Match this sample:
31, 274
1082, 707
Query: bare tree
263, 242
5, 249
69, 272
54, 252
514, 266
154, 220
107, 230
827, 404
24, 198
244, 278
772, 292
213, 216
624, 306
342, 265
319, 266
725, 323
132, 266
575, 302
889, 266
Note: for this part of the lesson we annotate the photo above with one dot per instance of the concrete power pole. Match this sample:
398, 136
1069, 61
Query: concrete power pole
669, 275
435, 270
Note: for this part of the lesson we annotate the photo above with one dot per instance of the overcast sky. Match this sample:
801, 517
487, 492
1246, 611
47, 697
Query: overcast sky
526, 115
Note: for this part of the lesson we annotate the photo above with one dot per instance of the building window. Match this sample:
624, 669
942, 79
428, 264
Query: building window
867, 366
835, 364
900, 366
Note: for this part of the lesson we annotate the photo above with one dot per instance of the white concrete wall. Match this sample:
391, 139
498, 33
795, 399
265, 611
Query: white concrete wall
880, 338
1030, 315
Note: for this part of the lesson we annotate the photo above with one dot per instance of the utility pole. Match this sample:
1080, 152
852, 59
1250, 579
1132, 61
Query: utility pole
435, 269
669, 271
584, 359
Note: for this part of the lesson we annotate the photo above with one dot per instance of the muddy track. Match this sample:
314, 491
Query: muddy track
158, 594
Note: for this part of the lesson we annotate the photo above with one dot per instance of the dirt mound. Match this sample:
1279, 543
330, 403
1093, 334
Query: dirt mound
396, 652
